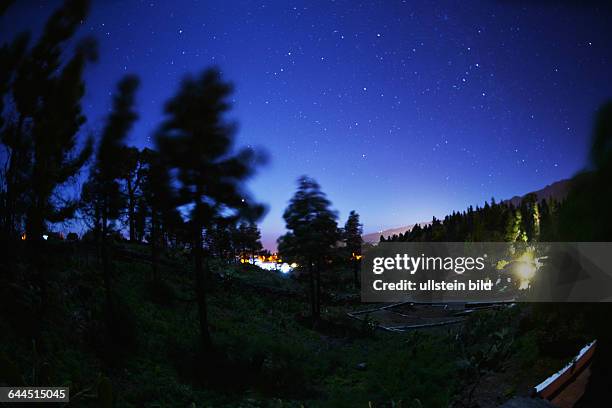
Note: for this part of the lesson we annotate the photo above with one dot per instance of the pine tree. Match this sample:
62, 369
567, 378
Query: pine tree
530, 216
48, 94
132, 166
585, 216
252, 239
513, 226
224, 240
353, 230
11, 55
158, 199
106, 174
313, 234
197, 141
44, 94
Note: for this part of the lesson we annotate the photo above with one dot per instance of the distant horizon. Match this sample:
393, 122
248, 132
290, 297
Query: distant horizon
269, 239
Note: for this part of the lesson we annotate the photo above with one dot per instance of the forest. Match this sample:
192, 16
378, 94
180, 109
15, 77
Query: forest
154, 300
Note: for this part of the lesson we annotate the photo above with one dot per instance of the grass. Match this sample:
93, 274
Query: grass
267, 353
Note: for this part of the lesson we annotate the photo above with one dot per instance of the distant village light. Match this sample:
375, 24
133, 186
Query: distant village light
270, 263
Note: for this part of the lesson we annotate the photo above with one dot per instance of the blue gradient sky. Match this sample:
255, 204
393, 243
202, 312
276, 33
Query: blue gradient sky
401, 110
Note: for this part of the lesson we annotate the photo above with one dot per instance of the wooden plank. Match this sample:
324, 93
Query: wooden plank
557, 382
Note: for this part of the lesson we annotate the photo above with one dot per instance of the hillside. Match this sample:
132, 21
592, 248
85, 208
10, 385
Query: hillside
557, 190
267, 351
375, 236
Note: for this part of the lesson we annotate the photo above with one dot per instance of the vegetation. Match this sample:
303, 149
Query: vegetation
170, 317
196, 141
269, 355
533, 220
353, 230
312, 237
103, 191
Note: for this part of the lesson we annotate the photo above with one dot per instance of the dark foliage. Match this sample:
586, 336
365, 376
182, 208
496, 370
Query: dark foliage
196, 141
353, 230
312, 237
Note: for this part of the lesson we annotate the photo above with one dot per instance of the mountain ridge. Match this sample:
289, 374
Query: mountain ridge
557, 190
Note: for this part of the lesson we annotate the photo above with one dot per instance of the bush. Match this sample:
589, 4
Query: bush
160, 292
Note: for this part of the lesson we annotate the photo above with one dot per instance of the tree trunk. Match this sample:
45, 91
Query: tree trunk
106, 275
318, 290
313, 304
200, 289
9, 201
10, 204
35, 226
98, 232
154, 246
34, 240
131, 210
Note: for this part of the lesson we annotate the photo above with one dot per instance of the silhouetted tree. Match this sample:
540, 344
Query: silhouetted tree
223, 239
197, 141
530, 214
585, 216
43, 97
493, 222
313, 234
175, 229
105, 189
513, 226
141, 215
132, 165
549, 220
248, 239
90, 207
17, 157
353, 230
51, 99
158, 198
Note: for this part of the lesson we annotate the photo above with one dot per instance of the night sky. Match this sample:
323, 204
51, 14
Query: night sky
402, 110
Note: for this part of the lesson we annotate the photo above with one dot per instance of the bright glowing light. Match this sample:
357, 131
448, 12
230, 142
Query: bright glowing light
527, 257
283, 267
525, 268
45, 237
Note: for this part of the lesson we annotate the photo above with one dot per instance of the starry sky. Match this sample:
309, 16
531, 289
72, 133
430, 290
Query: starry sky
402, 110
